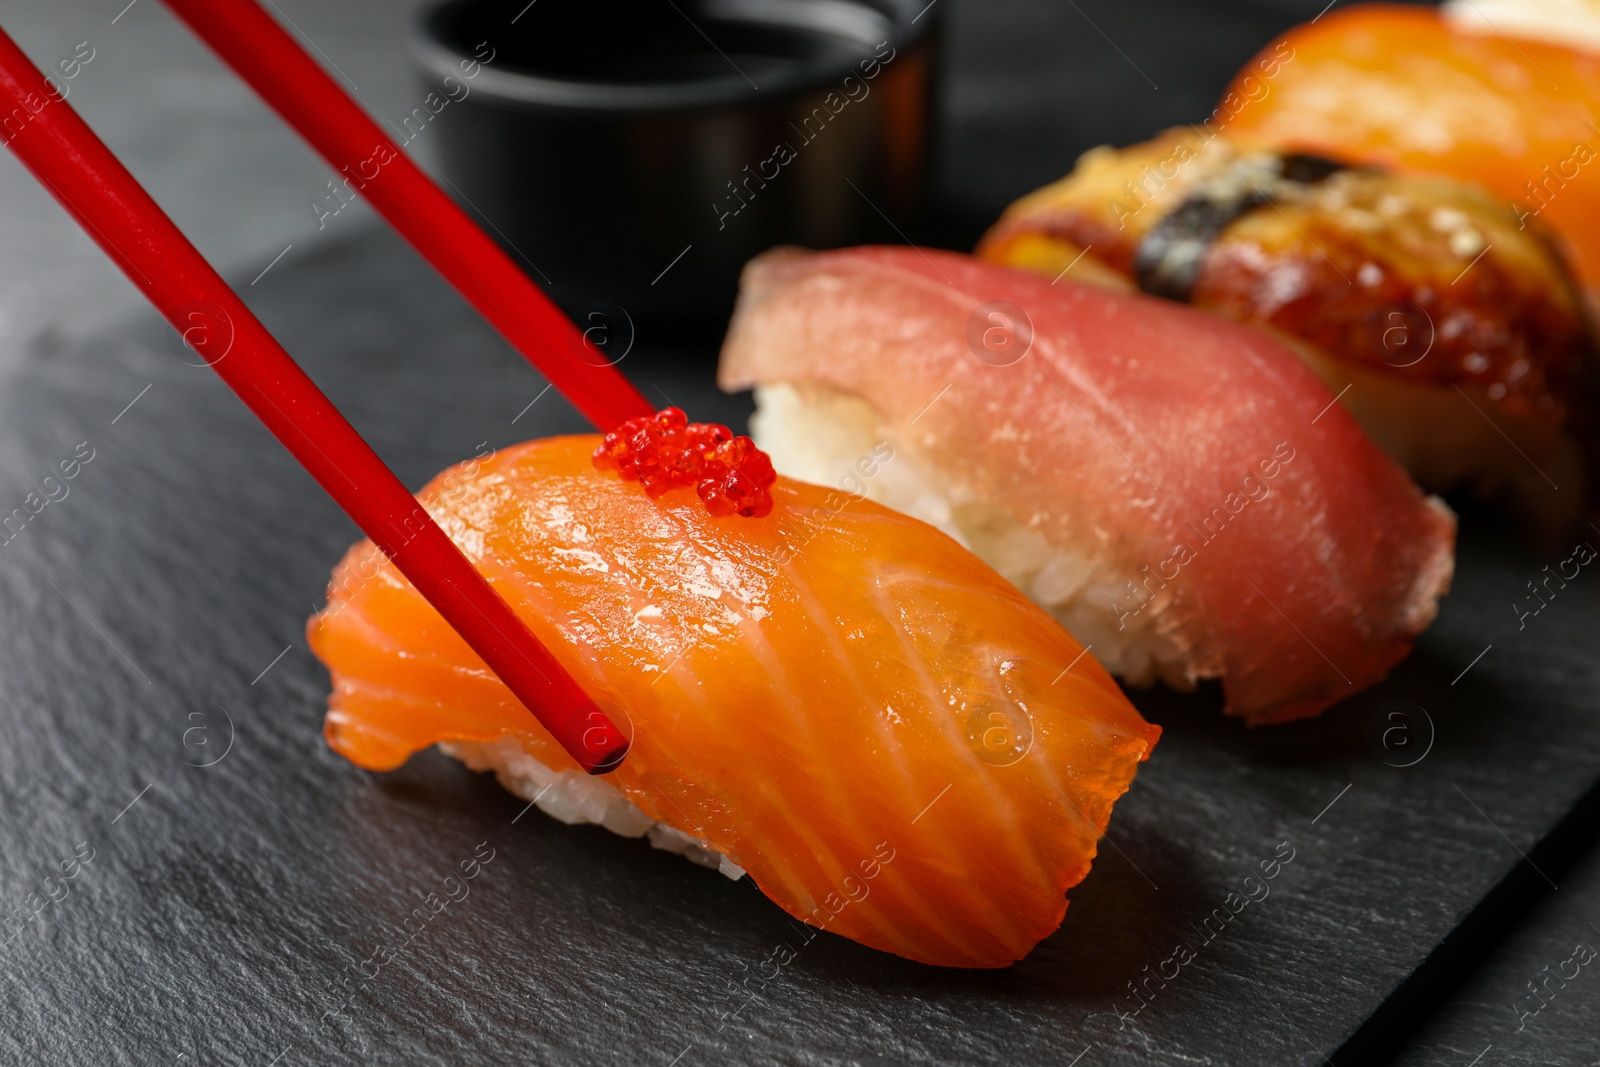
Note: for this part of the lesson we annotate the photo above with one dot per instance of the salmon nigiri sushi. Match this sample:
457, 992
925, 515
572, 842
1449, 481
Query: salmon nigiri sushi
827, 695
1178, 489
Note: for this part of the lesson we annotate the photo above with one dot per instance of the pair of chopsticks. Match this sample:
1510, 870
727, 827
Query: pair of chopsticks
62, 152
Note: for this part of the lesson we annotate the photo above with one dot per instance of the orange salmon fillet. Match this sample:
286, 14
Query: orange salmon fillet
877, 727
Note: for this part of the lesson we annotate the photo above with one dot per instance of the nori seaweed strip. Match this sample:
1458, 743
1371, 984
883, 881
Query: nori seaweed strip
1169, 257
1303, 168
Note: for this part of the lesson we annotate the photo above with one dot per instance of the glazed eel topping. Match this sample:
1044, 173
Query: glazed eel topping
1427, 279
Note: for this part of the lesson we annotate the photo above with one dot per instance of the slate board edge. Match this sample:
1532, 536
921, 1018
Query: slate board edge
1409, 1006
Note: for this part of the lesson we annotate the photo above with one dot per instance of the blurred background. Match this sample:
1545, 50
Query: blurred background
240, 184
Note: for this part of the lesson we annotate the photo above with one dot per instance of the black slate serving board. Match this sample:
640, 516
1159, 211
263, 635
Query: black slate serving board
153, 620
1535, 1000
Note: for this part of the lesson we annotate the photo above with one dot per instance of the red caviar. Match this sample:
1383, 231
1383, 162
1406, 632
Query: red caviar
666, 451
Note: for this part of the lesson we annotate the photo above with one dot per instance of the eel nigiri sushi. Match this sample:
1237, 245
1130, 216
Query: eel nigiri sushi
1176, 488
1412, 297
832, 697
1403, 87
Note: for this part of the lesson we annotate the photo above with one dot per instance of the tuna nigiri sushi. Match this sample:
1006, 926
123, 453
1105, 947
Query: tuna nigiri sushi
832, 697
1415, 298
1178, 489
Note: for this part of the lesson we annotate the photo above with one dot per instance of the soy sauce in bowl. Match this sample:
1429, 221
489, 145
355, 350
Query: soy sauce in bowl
626, 148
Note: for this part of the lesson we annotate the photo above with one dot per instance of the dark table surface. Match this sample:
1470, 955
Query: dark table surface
155, 618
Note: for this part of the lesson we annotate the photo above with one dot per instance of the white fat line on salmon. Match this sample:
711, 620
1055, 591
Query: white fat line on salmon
450, 488
855, 89
55, 490
1253, 889
415, 923
1255, 487
1150, 182
1582, 555
856, 887
904, 637
798, 526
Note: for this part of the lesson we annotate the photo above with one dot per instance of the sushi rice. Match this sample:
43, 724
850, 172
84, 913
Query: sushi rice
814, 434
577, 798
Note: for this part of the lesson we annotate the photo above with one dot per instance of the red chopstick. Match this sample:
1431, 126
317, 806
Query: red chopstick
66, 156
263, 54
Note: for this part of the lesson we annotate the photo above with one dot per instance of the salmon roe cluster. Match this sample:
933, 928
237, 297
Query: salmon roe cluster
666, 451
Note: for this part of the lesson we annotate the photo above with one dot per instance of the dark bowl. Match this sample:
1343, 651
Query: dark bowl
633, 154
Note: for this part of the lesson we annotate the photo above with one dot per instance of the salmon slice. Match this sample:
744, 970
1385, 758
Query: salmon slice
893, 742
1179, 489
